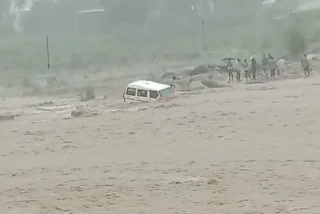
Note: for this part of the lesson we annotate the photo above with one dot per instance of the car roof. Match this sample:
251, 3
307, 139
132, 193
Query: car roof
148, 85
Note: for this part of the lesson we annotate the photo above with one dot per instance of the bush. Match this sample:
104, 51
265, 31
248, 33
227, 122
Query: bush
295, 42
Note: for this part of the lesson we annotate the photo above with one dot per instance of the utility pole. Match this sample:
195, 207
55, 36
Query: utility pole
48, 54
199, 6
203, 26
203, 35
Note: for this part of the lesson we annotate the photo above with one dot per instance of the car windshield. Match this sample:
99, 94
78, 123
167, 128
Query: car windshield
166, 92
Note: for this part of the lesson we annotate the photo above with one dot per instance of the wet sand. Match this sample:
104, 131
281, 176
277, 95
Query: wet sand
245, 149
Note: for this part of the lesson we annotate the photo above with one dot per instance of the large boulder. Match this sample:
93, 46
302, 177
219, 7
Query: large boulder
200, 69
212, 84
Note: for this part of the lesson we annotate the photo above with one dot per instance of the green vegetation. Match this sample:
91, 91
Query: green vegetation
147, 31
296, 43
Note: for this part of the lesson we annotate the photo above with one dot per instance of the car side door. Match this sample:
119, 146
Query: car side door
154, 95
131, 94
142, 95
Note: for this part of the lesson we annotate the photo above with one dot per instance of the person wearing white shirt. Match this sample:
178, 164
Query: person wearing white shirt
282, 67
238, 68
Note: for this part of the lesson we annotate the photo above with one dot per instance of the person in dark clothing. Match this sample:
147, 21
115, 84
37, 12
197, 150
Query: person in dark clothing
272, 66
265, 63
246, 70
173, 83
253, 67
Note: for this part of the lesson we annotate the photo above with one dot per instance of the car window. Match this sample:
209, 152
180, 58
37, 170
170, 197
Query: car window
153, 94
131, 91
142, 93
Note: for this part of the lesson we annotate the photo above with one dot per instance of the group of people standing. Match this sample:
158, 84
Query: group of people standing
247, 66
239, 67
271, 68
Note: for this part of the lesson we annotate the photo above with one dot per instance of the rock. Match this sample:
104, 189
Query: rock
76, 113
200, 69
167, 75
6, 116
212, 84
83, 111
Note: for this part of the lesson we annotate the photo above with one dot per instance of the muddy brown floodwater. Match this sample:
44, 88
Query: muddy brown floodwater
245, 149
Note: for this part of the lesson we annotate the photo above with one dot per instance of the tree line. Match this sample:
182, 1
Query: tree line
61, 15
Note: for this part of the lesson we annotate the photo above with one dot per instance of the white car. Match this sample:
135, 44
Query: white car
146, 91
